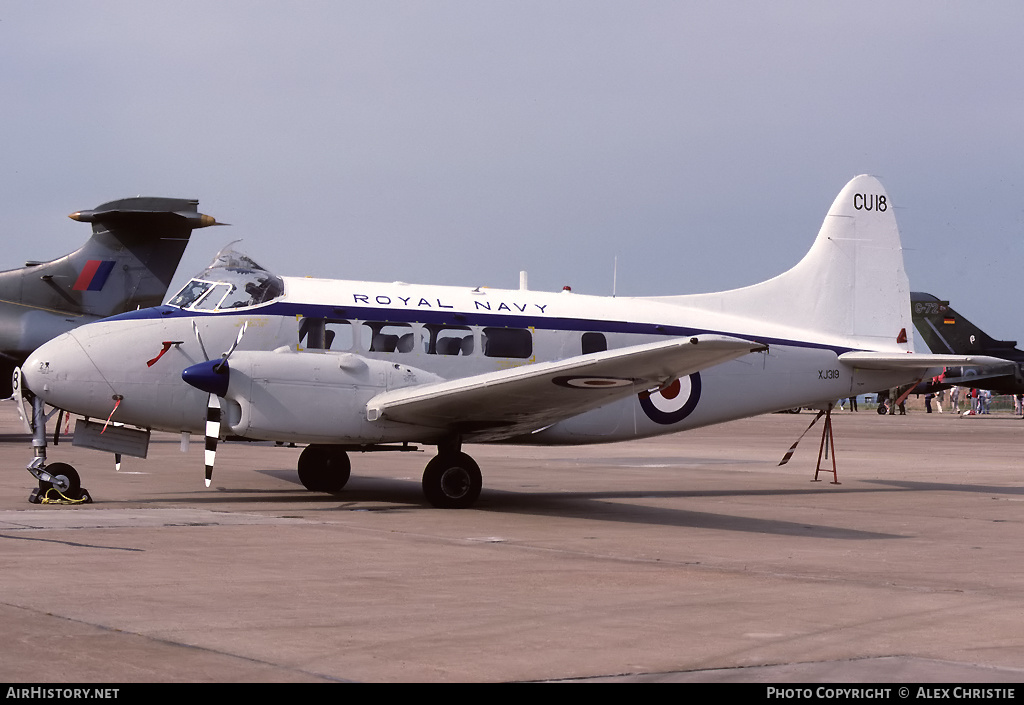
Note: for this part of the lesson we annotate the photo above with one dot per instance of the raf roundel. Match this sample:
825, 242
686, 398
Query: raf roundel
673, 403
592, 382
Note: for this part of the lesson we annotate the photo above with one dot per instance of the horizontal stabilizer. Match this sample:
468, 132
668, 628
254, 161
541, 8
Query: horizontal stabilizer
139, 210
918, 361
508, 403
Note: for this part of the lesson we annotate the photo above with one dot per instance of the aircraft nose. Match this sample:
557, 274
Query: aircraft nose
62, 373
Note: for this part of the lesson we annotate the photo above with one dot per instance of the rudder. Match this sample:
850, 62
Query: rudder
850, 288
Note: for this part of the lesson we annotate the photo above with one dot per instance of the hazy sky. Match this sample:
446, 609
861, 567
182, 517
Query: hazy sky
459, 142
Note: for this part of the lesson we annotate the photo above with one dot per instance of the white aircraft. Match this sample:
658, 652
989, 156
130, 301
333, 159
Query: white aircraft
363, 366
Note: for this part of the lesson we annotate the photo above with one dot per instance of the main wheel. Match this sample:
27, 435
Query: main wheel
452, 481
65, 480
324, 468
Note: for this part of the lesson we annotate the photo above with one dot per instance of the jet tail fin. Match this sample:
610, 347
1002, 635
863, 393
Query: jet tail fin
128, 262
945, 331
134, 250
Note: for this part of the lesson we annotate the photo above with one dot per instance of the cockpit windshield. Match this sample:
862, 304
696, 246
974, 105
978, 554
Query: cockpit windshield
231, 281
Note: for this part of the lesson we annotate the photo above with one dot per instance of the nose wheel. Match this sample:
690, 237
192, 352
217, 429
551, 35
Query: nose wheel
63, 478
59, 483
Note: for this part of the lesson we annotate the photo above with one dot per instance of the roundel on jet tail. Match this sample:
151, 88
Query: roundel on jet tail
673, 403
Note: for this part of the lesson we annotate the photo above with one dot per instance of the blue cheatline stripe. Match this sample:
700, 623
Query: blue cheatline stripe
463, 318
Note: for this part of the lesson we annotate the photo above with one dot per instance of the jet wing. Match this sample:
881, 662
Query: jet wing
508, 403
972, 380
922, 361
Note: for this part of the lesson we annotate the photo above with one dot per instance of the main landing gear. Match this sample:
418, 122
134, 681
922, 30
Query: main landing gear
451, 480
324, 468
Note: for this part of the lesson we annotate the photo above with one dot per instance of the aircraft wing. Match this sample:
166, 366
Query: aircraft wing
922, 361
509, 403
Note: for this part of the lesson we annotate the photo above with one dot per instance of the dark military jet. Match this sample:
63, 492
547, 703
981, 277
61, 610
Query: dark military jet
128, 263
945, 331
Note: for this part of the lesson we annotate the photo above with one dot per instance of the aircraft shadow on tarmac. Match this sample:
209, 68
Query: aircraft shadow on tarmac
361, 494
614, 506
948, 487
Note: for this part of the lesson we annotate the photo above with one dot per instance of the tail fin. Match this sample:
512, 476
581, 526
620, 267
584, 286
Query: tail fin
128, 262
849, 289
945, 331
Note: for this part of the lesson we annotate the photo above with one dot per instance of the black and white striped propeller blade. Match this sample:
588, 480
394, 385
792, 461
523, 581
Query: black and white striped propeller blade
199, 339
212, 434
212, 376
238, 339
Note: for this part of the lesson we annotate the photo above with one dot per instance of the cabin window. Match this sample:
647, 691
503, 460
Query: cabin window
594, 342
381, 336
448, 340
325, 334
507, 342
338, 335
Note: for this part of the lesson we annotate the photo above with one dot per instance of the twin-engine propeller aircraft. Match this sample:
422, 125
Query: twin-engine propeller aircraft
128, 263
362, 366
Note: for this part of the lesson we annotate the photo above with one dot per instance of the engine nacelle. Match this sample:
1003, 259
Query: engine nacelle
315, 397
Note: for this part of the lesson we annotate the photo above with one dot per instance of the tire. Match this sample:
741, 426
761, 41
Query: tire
324, 468
66, 480
452, 481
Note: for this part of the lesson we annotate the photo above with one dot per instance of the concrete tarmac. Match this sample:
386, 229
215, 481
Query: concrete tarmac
687, 558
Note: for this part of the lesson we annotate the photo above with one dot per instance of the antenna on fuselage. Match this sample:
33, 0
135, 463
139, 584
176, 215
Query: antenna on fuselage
615, 275
522, 280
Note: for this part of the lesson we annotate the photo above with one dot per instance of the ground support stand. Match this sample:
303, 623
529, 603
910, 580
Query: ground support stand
826, 442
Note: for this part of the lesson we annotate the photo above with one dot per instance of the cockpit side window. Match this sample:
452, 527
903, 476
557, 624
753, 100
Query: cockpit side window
239, 282
264, 289
211, 300
227, 295
236, 298
190, 293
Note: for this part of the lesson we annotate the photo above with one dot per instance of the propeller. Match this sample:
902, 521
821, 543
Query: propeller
212, 434
199, 339
212, 377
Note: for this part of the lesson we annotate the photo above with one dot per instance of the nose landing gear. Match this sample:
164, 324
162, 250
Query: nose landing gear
59, 483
